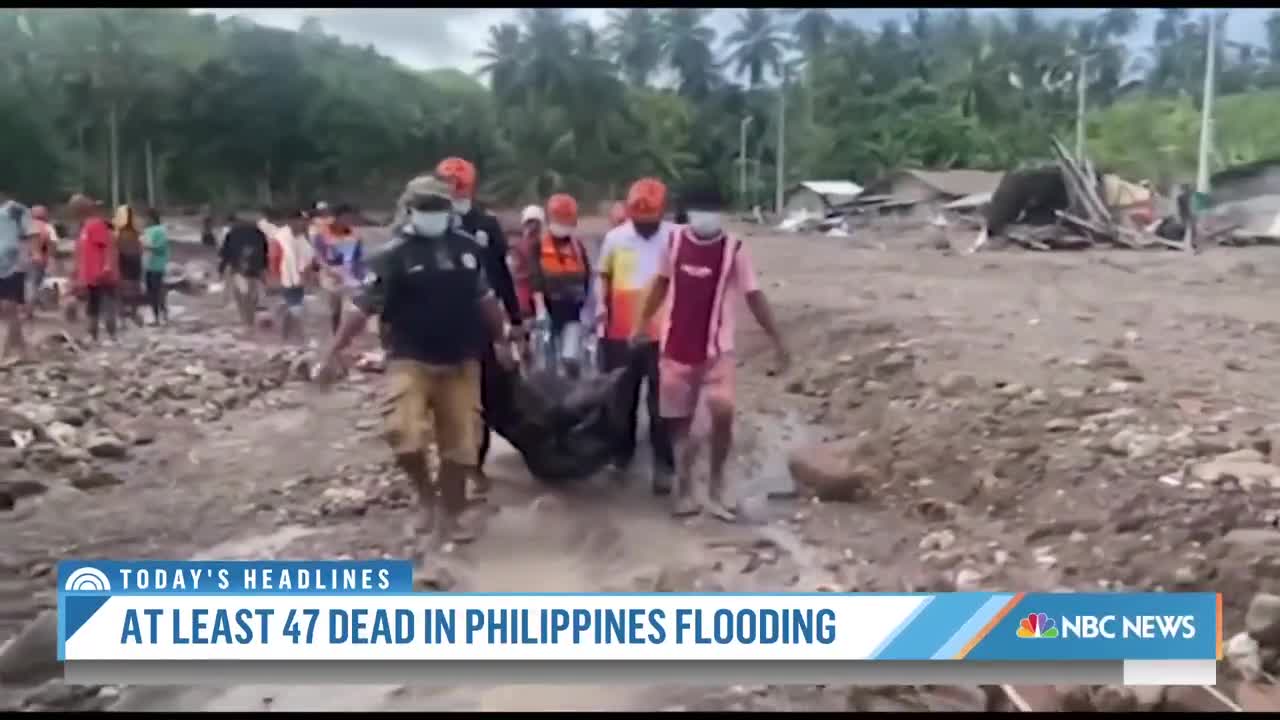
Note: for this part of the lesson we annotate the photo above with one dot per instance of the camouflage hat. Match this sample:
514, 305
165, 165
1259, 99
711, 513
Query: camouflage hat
427, 186
422, 186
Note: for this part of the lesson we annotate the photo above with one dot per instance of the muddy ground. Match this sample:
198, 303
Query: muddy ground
997, 421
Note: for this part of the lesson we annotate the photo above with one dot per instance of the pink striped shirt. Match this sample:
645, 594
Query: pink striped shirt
737, 278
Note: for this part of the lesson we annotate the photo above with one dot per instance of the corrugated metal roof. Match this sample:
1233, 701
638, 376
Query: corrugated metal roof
833, 188
959, 183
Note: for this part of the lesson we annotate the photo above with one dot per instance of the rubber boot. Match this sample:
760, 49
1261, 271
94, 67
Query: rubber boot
453, 499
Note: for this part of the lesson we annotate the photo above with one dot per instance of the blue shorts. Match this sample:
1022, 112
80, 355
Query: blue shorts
293, 296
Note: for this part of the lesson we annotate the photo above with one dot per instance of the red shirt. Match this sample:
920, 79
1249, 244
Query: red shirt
95, 254
697, 274
520, 258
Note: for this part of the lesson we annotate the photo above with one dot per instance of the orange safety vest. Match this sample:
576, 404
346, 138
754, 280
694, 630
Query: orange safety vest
562, 269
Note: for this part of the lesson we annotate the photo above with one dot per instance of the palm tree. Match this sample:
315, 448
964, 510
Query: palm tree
757, 45
502, 55
813, 29
548, 68
686, 47
635, 38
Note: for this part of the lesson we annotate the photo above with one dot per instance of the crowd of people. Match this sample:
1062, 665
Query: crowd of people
457, 305
118, 266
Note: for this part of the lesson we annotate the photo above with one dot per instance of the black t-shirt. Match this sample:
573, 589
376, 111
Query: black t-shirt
487, 231
245, 250
428, 292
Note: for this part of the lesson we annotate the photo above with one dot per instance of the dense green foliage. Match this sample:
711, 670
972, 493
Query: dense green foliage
230, 111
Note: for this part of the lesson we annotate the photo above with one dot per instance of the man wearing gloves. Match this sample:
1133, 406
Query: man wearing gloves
440, 315
630, 258
561, 282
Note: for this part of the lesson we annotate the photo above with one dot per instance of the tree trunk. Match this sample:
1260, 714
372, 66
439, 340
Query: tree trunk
151, 176
113, 152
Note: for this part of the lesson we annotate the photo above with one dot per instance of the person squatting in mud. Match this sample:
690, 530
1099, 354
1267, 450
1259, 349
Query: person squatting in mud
97, 265
704, 273
431, 293
630, 257
561, 283
486, 231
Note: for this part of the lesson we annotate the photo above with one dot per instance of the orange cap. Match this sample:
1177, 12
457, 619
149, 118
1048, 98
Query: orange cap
646, 200
617, 214
459, 172
562, 209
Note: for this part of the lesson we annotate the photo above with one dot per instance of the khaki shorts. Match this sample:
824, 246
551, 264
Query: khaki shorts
433, 400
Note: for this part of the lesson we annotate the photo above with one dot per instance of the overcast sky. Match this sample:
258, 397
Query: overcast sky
434, 38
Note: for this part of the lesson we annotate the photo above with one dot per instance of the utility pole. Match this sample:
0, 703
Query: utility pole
1081, 86
742, 160
782, 141
1206, 112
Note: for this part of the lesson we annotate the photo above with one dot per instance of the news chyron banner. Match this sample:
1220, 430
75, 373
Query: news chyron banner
166, 623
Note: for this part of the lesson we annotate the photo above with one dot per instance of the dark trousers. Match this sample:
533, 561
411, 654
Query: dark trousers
642, 367
100, 304
156, 295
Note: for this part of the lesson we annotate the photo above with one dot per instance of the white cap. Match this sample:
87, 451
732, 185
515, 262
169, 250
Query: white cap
532, 212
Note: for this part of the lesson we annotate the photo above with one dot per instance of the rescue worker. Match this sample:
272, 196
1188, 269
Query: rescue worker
561, 282
707, 274
521, 254
485, 229
430, 291
630, 258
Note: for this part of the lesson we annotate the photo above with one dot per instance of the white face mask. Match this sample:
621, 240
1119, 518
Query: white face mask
430, 224
462, 206
704, 224
560, 231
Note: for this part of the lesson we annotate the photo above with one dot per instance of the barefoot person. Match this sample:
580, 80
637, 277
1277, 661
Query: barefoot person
705, 272
439, 313
17, 231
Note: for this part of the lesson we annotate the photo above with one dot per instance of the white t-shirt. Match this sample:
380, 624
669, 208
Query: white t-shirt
630, 262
